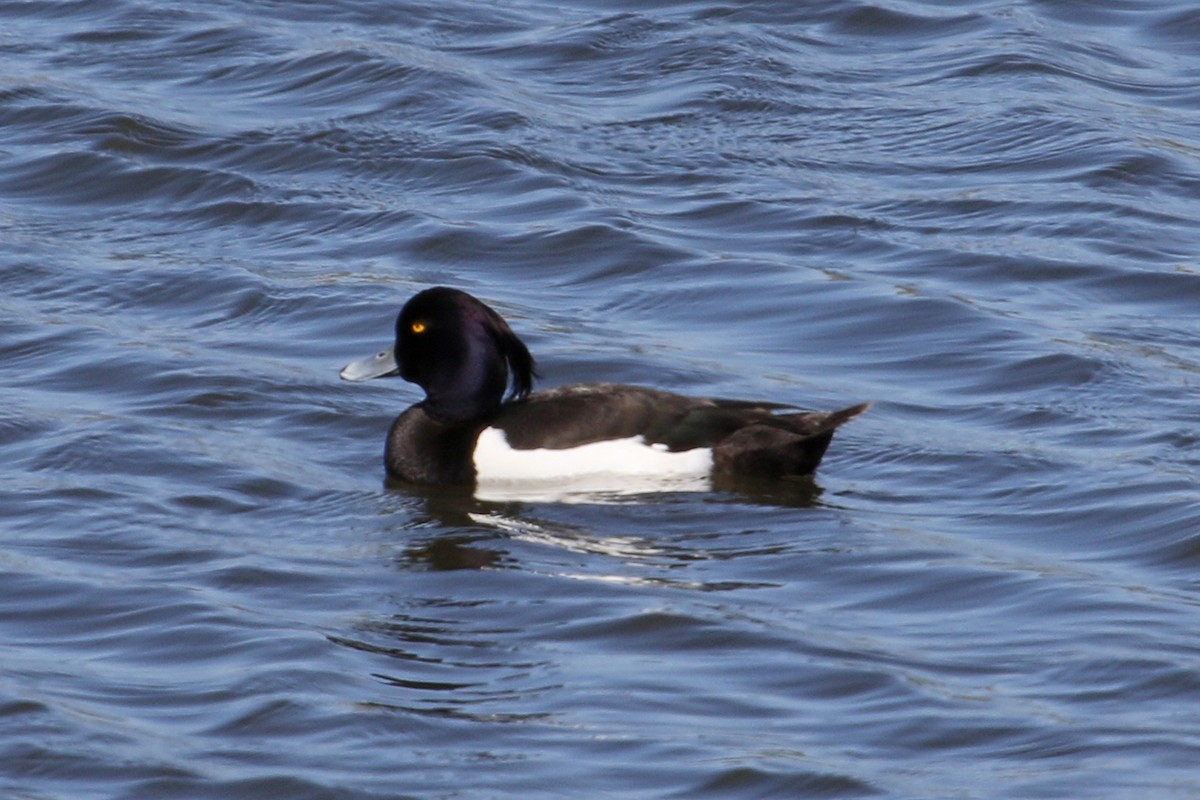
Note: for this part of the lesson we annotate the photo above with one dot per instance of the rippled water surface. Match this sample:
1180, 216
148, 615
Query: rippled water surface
980, 215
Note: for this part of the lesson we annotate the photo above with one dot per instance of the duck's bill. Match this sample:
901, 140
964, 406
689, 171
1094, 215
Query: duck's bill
380, 365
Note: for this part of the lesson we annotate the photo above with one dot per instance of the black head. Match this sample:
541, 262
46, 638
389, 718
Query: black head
460, 352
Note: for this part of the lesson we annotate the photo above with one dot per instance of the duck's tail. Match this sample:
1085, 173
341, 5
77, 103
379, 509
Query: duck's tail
834, 419
783, 445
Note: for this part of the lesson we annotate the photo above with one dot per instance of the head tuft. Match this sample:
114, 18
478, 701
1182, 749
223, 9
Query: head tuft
521, 366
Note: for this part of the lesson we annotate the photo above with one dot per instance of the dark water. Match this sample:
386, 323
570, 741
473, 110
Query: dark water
981, 215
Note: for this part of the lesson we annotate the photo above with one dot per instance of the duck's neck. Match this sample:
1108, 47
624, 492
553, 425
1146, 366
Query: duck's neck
456, 409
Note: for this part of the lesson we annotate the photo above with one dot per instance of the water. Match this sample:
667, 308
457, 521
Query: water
982, 216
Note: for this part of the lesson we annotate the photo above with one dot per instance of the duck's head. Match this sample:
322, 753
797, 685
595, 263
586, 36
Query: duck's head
458, 350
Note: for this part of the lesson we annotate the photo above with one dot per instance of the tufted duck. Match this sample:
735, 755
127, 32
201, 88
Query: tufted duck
464, 355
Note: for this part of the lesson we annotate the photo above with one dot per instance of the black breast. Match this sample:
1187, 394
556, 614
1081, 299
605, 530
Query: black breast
425, 451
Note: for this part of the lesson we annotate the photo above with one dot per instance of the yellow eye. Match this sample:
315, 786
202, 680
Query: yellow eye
417, 327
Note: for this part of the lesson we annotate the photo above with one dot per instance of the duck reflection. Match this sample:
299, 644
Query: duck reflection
473, 533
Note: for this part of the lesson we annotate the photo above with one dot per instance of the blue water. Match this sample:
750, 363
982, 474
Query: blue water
982, 216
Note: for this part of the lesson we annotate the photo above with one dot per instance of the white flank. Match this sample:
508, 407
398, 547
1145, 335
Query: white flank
622, 466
